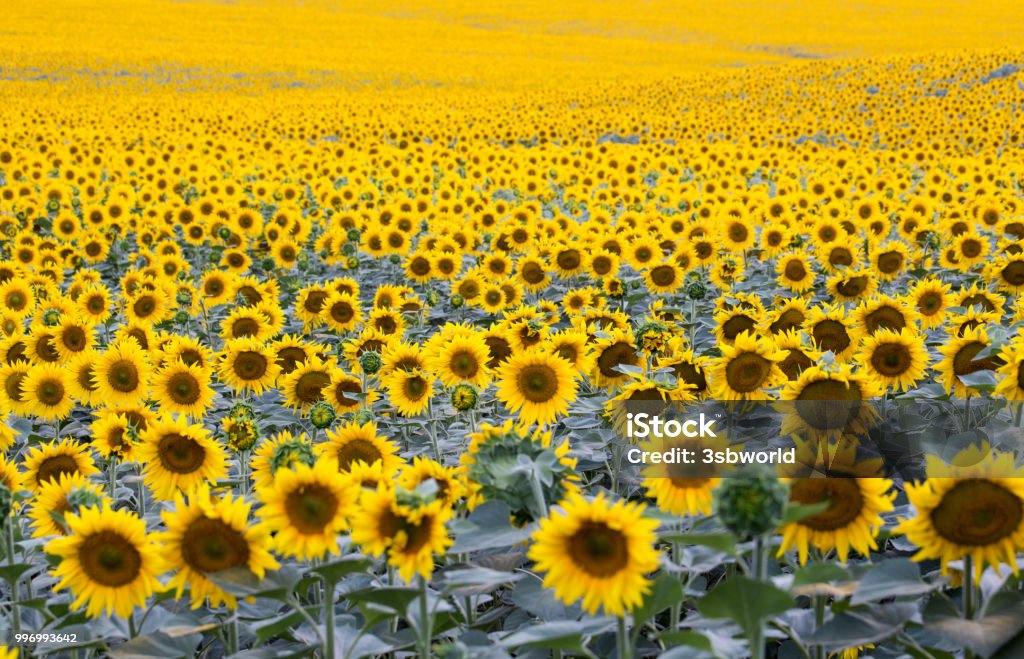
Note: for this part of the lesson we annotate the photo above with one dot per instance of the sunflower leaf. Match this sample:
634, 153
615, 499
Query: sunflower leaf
745, 601
667, 591
896, 577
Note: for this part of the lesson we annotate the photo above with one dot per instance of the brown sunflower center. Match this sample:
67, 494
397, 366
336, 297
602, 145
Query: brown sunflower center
310, 386
464, 364
885, 318
831, 335
123, 376
357, 449
663, 275
54, 467
1013, 273
929, 303
853, 286
977, 512
532, 273
964, 362
747, 371
180, 454
110, 559
46, 350
795, 270
794, 363
843, 495
250, 365
787, 320
342, 312
311, 508
738, 232
890, 262
415, 387
50, 392
568, 259
210, 545
736, 325
971, 248
183, 388
245, 327
500, 350
614, 355
343, 390
144, 306
828, 404
891, 359
420, 266
598, 550
73, 338
538, 383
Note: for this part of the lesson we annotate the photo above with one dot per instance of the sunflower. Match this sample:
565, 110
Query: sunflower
112, 435
309, 304
410, 534
884, 312
183, 389
799, 355
857, 498
795, 272
17, 297
449, 486
890, 259
896, 359
47, 462
663, 278
746, 369
829, 402
1011, 381
122, 374
353, 442
462, 359
307, 507
306, 385
829, 329
1008, 273
616, 349
682, 495
178, 457
283, 450
537, 385
53, 501
410, 391
246, 323
73, 337
341, 312
46, 392
247, 365
931, 298
971, 507
729, 323
207, 534
108, 561
959, 358
852, 285
570, 345
532, 272
970, 248
596, 551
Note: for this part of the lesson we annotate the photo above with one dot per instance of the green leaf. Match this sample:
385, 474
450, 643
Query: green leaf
746, 601
820, 573
895, 577
853, 628
11, 573
477, 580
333, 572
487, 527
563, 635
241, 582
798, 511
277, 626
985, 636
723, 542
158, 645
665, 592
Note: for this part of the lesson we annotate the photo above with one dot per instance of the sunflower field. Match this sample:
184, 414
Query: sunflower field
323, 326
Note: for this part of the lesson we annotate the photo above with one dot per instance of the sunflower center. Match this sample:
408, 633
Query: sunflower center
420, 266
828, 404
245, 327
110, 559
315, 301
180, 454
971, 248
54, 467
787, 320
853, 286
123, 376
499, 349
309, 388
929, 303
50, 392
831, 335
342, 312
842, 494
96, 304
289, 358
795, 271
747, 371
614, 355
358, 449
415, 387
891, 359
737, 232
144, 306
890, 262
46, 350
183, 388
311, 508
568, 259
598, 550
538, 383
73, 338
794, 363
663, 275
736, 325
250, 365
884, 318
464, 365
532, 273
965, 364
1013, 274
977, 512
210, 545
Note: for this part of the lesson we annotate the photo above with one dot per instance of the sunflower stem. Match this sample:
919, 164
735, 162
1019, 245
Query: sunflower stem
112, 476
622, 639
819, 620
968, 595
1017, 414
231, 634
431, 424
9, 538
538, 495
329, 618
967, 412
758, 568
426, 633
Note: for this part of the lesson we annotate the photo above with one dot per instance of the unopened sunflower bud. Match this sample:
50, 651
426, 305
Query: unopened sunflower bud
183, 298
322, 414
370, 362
696, 290
362, 417
751, 503
432, 298
464, 397
51, 318
290, 453
351, 263
458, 300
181, 317
353, 235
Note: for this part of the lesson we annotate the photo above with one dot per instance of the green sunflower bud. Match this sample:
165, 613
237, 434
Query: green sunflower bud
362, 417
370, 362
322, 414
464, 397
751, 503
